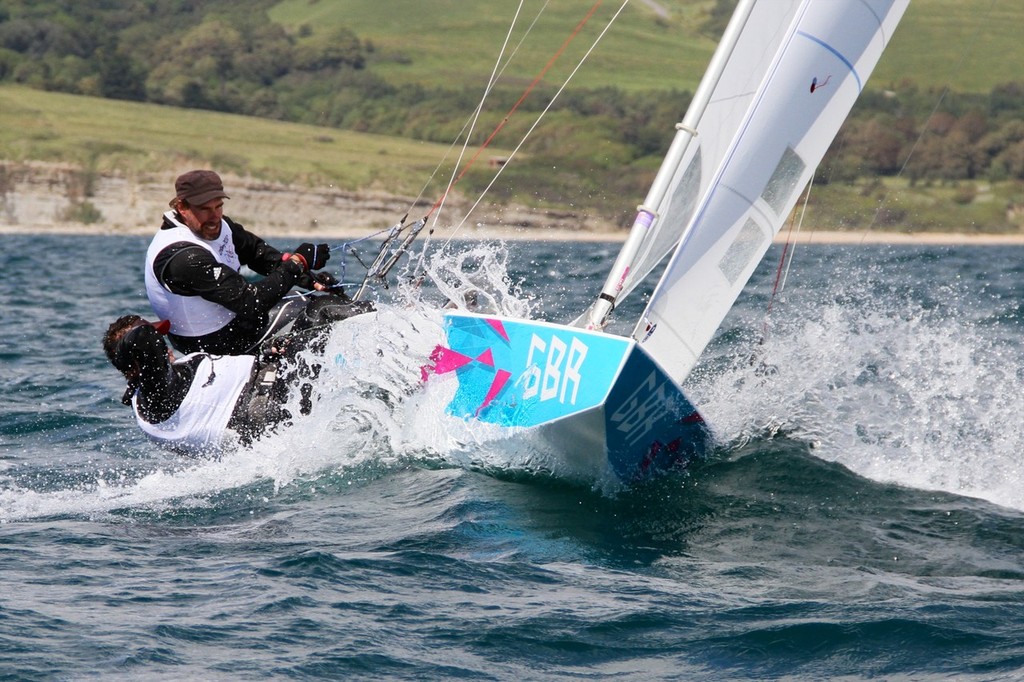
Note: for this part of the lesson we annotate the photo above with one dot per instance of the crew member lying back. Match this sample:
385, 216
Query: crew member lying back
202, 402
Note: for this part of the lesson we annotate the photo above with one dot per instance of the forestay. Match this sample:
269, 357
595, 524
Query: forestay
793, 76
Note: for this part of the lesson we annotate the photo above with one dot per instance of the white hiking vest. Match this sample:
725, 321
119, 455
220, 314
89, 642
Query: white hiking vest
199, 426
189, 315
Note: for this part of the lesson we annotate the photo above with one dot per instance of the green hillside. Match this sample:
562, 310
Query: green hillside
456, 42
110, 136
130, 139
413, 71
967, 45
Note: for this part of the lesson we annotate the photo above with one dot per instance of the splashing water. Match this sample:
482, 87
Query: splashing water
372, 411
373, 381
899, 391
912, 386
473, 277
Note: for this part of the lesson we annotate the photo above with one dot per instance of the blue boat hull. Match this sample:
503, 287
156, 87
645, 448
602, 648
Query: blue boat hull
598, 400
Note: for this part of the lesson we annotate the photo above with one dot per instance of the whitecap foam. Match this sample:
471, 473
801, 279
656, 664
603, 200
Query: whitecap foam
894, 391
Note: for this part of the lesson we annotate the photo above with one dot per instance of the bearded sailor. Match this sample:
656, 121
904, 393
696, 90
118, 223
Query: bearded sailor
193, 275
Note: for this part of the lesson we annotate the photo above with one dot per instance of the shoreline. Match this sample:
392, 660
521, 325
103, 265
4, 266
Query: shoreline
48, 198
558, 235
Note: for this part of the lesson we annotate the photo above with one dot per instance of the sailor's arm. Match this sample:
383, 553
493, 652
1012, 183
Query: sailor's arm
252, 251
190, 270
161, 385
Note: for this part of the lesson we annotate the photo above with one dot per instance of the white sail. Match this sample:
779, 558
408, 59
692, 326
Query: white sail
764, 143
717, 110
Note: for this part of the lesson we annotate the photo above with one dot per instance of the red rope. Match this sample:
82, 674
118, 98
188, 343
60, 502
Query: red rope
522, 98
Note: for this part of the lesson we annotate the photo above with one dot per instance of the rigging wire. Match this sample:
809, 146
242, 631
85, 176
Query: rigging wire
522, 98
473, 116
547, 108
786, 259
799, 226
471, 124
789, 247
467, 129
436, 207
476, 117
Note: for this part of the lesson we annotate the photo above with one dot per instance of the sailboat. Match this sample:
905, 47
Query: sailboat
781, 82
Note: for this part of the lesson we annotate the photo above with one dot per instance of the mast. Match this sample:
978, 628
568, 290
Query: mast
596, 316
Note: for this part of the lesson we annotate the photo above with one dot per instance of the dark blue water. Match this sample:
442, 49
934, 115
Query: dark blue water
861, 519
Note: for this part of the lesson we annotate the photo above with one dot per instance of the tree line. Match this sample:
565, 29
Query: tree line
227, 55
967, 137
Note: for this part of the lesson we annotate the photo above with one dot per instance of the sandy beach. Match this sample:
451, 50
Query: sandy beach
48, 198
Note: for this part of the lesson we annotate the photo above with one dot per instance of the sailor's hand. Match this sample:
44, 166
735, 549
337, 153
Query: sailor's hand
324, 281
315, 256
320, 281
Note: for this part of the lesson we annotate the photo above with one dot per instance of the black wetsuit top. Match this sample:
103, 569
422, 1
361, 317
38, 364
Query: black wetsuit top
187, 269
161, 386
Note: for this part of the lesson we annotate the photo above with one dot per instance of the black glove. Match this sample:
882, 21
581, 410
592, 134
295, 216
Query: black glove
315, 255
307, 279
326, 279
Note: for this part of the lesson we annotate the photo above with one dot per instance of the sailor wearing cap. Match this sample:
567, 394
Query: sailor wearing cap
192, 272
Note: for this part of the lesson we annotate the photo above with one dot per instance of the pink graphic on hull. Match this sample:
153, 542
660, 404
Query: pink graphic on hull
444, 360
501, 378
486, 358
499, 327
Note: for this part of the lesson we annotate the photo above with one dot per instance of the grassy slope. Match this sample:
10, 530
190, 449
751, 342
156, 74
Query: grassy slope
458, 41
927, 209
967, 45
106, 135
960, 43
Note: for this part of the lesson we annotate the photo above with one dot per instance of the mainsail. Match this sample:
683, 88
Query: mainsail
718, 108
792, 74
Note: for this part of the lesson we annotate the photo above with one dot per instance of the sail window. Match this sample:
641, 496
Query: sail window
672, 222
745, 249
684, 197
782, 184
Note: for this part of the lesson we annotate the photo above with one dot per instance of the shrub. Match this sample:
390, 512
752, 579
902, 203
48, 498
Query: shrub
82, 212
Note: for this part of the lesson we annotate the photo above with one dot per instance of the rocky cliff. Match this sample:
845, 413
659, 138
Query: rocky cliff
52, 197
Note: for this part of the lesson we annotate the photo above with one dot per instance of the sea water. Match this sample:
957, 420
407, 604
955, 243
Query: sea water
862, 516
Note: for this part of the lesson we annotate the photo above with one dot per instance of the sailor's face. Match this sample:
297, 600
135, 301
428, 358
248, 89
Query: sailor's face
204, 220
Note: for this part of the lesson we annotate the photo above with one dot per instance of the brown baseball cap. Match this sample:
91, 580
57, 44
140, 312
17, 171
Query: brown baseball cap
198, 187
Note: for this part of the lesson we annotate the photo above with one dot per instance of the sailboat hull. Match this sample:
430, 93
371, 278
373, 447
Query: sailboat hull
598, 400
